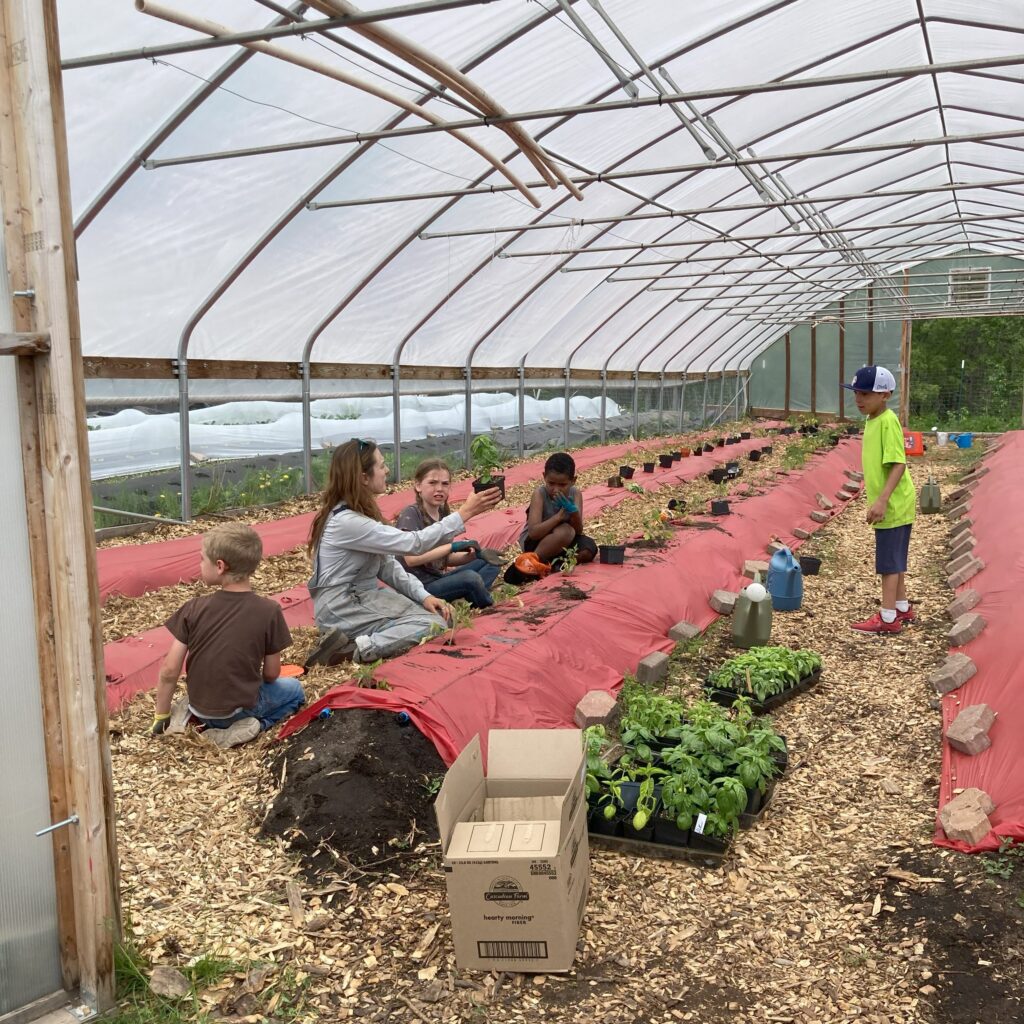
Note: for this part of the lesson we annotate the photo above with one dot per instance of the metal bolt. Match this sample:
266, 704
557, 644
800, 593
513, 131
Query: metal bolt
26, 293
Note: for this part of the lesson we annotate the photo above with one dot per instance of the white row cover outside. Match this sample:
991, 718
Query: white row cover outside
222, 259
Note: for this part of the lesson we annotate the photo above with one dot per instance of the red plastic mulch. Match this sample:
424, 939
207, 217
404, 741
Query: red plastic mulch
527, 667
133, 663
998, 652
136, 569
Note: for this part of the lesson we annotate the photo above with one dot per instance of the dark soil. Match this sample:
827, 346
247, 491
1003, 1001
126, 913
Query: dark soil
646, 543
362, 794
971, 925
570, 592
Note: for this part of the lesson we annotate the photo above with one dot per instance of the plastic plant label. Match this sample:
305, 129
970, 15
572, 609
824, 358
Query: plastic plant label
699, 824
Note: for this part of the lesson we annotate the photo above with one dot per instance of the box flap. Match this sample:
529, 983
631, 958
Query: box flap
534, 753
463, 784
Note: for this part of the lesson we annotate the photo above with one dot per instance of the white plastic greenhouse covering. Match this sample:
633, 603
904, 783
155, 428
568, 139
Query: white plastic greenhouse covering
843, 141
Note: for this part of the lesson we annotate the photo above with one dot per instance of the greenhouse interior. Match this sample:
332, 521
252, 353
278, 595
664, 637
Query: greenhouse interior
501, 497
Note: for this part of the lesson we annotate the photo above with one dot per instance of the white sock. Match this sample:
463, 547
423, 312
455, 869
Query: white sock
888, 614
903, 606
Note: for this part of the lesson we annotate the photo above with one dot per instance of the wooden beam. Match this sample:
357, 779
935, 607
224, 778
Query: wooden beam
24, 343
46, 248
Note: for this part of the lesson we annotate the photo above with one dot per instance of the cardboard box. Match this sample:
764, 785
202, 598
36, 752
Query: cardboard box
516, 858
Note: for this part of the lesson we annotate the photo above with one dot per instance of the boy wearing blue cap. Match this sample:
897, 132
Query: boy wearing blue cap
891, 496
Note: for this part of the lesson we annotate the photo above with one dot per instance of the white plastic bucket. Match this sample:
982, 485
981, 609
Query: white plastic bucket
943, 438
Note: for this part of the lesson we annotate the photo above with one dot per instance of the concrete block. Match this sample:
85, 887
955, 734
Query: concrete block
653, 668
954, 496
975, 474
964, 602
818, 516
965, 817
823, 502
723, 601
752, 566
958, 528
966, 628
850, 486
952, 673
844, 495
959, 578
854, 475
801, 533
964, 546
774, 546
968, 732
596, 707
683, 631
959, 511
956, 564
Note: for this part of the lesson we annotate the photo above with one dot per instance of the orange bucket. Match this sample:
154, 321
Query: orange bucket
913, 442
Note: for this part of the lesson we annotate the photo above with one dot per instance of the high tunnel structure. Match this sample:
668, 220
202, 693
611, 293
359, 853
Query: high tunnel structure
695, 208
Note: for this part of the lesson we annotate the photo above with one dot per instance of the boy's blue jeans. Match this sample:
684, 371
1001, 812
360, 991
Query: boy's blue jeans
277, 700
471, 581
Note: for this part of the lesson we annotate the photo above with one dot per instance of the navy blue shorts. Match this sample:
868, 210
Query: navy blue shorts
892, 545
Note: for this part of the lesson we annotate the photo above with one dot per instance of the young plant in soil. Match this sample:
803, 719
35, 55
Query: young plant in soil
656, 531
647, 717
647, 777
570, 559
765, 671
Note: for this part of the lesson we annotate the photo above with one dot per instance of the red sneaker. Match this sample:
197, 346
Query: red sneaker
907, 616
876, 624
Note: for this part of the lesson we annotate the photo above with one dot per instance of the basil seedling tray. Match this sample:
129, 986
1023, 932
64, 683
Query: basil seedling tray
726, 697
661, 851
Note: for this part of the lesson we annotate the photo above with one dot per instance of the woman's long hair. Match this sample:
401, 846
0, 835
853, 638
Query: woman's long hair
345, 483
423, 470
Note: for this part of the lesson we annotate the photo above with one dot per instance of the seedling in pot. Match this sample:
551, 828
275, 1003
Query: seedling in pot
487, 460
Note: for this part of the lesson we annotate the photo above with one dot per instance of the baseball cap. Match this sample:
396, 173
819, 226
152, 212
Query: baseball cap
871, 378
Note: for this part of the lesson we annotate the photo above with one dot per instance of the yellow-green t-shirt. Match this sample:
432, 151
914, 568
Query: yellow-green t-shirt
884, 446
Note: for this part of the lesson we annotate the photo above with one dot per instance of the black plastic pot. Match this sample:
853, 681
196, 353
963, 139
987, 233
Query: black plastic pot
744, 435
494, 481
726, 697
677, 455
851, 428
767, 449
611, 554
809, 565
615, 481
736, 439
720, 507
602, 826
648, 467
669, 833
834, 440
675, 503
732, 468
665, 461
626, 472
698, 450
719, 442
708, 844
709, 447
754, 456
788, 430
717, 475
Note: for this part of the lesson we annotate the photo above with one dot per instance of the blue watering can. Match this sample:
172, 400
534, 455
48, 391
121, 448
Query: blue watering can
785, 581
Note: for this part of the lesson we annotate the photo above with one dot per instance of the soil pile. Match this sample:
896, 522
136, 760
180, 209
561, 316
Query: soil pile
357, 784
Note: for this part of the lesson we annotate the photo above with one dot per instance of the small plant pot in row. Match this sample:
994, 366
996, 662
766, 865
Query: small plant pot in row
615, 481
726, 697
809, 565
717, 475
720, 507
665, 461
649, 467
486, 483
754, 455
626, 472
611, 554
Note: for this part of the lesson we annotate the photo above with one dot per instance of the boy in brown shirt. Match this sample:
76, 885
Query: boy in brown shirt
233, 639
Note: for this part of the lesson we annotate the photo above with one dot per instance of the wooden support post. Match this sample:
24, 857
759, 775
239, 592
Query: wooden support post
814, 368
905, 343
40, 247
789, 373
842, 357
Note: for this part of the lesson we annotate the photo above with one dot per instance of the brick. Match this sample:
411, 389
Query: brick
954, 496
975, 474
751, 567
800, 533
956, 564
968, 572
964, 545
723, 601
965, 817
844, 495
596, 707
818, 516
969, 731
960, 510
854, 475
952, 673
823, 502
966, 628
774, 547
959, 527
683, 631
653, 668
850, 486
964, 602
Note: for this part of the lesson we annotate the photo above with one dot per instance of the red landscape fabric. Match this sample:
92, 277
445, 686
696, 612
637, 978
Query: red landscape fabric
133, 664
998, 653
135, 569
528, 666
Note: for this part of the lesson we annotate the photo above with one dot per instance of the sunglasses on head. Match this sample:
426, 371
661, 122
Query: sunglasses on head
363, 445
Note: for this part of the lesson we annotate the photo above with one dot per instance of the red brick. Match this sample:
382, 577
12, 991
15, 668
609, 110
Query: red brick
960, 510
968, 572
966, 628
774, 547
723, 601
844, 495
959, 527
964, 602
952, 673
752, 566
968, 732
965, 817
596, 707
956, 564
964, 545
854, 475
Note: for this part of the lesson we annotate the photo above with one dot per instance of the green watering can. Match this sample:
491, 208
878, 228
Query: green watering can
930, 498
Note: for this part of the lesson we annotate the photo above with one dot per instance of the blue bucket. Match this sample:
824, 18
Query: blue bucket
964, 440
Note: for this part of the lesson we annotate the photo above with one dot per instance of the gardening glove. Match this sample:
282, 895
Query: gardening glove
458, 546
566, 504
159, 726
491, 555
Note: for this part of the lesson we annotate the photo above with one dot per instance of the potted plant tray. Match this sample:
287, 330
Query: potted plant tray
712, 853
759, 802
611, 554
486, 483
725, 697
